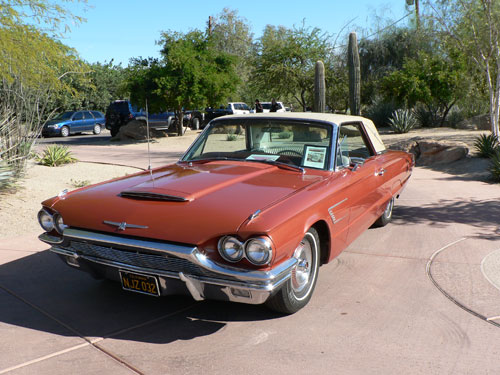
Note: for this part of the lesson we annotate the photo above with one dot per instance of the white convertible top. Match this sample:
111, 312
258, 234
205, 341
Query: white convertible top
337, 119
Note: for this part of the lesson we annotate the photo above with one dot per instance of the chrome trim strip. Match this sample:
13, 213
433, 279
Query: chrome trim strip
339, 203
339, 220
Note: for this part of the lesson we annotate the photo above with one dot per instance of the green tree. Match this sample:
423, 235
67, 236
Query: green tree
33, 68
434, 81
285, 59
232, 34
473, 26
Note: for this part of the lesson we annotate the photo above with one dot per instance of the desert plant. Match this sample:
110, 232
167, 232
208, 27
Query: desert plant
231, 137
354, 75
380, 112
319, 87
5, 176
425, 117
402, 121
55, 155
495, 165
79, 183
486, 145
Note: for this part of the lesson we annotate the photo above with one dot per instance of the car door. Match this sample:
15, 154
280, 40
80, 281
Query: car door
364, 188
77, 122
89, 121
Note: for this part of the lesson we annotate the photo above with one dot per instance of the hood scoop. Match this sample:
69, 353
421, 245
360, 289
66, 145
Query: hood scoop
152, 196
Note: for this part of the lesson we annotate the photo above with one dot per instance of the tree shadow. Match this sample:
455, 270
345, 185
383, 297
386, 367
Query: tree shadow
46, 295
481, 214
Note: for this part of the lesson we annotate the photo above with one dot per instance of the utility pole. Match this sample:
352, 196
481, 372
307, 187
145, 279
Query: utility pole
417, 10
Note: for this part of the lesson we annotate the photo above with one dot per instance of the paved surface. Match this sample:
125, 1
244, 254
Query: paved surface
409, 298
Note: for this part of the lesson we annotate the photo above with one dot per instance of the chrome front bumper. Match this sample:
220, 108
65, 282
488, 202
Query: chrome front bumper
105, 254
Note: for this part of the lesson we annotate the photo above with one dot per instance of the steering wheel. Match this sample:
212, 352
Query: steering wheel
289, 153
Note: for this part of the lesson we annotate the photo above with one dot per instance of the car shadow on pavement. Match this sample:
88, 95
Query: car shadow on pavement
51, 297
481, 214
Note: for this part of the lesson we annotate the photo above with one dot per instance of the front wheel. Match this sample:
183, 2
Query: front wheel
64, 131
97, 129
195, 124
386, 217
297, 291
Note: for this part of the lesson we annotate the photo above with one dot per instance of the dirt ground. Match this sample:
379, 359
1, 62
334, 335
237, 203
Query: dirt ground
18, 210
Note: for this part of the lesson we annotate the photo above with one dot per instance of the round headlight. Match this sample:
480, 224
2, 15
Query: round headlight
59, 223
46, 220
259, 251
231, 249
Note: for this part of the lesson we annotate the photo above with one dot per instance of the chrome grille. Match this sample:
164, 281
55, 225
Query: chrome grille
138, 259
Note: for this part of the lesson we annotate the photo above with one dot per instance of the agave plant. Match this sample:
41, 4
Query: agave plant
495, 165
402, 121
486, 145
55, 155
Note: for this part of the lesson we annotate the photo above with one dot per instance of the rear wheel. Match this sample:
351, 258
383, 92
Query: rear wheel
386, 217
97, 129
64, 131
114, 130
297, 291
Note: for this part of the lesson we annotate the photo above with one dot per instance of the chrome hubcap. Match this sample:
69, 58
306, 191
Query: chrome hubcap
388, 209
301, 274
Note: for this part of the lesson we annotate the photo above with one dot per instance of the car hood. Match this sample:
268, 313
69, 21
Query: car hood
57, 122
181, 203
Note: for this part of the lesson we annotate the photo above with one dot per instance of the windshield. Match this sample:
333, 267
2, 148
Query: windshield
64, 116
294, 142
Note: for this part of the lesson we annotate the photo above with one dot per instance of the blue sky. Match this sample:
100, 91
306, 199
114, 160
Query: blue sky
121, 29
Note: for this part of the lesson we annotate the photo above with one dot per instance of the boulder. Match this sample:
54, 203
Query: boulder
137, 130
481, 122
428, 151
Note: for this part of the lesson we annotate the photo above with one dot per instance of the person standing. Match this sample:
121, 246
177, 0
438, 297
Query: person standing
274, 106
258, 106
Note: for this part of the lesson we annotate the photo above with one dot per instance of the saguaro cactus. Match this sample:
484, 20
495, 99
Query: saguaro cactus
354, 75
319, 87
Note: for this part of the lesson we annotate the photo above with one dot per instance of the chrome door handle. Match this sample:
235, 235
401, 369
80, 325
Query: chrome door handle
381, 172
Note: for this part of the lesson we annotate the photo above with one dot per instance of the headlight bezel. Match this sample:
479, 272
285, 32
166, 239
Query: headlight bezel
59, 227
265, 244
245, 251
43, 213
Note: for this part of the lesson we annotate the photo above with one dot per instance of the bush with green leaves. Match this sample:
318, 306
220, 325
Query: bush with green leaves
380, 112
486, 145
402, 121
495, 165
55, 155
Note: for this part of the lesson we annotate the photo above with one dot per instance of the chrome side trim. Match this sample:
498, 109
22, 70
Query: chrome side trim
332, 215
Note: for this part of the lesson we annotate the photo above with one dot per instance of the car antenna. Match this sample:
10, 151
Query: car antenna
147, 133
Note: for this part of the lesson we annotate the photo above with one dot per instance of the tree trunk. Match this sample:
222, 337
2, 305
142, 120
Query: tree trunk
319, 87
354, 75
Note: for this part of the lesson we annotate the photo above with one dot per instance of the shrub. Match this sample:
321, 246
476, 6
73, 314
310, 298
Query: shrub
55, 155
495, 165
6, 176
402, 121
380, 112
425, 118
231, 137
79, 183
486, 145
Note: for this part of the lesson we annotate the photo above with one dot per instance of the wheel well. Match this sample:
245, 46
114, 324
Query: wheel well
324, 239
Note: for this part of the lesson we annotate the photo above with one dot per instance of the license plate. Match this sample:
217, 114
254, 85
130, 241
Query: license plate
139, 283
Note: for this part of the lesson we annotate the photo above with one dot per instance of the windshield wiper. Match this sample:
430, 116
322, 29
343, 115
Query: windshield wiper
282, 165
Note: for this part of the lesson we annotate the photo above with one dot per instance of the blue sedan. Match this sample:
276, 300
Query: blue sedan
74, 122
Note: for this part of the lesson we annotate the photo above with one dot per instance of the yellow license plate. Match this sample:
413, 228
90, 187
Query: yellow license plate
139, 283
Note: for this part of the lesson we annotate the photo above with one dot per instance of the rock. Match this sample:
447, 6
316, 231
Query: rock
137, 130
429, 152
437, 152
481, 122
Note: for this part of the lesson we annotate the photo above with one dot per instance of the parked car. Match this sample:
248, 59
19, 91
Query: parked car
267, 107
238, 108
121, 112
72, 122
271, 197
232, 108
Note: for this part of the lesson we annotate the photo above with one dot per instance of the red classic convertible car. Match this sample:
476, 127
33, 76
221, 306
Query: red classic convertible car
248, 214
